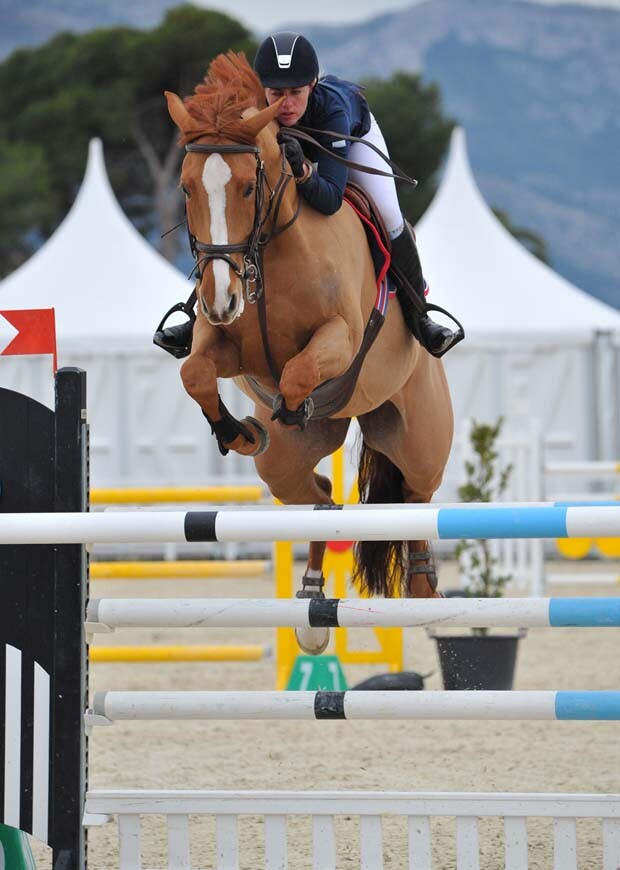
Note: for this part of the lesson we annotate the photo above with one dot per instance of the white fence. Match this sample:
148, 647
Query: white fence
367, 809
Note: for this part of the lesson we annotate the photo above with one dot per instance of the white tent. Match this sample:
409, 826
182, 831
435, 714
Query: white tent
109, 287
538, 350
490, 281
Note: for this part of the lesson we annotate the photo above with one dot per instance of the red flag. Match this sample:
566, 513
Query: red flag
36, 332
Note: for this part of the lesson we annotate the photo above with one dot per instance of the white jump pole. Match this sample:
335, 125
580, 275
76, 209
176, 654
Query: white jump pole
109, 613
306, 524
466, 705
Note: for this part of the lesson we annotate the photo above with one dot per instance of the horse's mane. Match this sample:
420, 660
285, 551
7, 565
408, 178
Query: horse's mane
229, 87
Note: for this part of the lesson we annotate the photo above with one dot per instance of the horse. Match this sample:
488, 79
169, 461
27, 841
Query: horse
259, 246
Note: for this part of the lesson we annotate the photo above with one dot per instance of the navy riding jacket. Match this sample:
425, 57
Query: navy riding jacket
340, 106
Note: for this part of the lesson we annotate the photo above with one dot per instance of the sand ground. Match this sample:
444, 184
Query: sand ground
402, 756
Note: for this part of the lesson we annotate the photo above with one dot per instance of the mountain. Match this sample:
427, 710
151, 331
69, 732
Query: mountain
536, 87
32, 23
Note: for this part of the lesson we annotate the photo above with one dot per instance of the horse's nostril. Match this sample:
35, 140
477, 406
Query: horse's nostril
233, 303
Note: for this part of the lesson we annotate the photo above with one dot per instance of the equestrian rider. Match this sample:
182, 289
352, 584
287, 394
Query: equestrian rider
288, 67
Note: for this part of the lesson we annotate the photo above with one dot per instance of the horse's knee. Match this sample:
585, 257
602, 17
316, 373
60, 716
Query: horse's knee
193, 375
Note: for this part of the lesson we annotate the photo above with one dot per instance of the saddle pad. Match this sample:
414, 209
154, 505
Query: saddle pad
378, 239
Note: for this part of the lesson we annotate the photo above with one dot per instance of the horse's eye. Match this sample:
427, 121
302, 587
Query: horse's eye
185, 191
249, 190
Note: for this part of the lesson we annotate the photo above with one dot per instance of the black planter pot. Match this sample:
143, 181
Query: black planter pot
472, 661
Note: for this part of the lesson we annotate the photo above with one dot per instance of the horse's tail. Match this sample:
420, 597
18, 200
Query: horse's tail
379, 565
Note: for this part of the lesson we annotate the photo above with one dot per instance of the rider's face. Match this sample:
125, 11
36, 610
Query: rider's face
294, 103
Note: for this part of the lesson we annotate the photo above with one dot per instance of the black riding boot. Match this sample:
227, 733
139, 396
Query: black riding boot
177, 340
410, 282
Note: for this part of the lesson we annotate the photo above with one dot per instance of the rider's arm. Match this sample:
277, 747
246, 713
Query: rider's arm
324, 188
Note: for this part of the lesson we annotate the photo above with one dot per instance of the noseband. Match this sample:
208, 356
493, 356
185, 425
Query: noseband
252, 272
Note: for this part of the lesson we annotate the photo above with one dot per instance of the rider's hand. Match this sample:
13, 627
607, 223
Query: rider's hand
293, 153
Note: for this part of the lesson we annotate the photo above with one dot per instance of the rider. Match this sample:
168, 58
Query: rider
288, 67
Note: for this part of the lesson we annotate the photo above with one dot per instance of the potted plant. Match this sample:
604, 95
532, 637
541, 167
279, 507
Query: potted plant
480, 660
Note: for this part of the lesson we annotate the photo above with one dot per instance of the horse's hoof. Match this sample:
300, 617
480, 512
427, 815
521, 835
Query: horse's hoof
313, 641
262, 435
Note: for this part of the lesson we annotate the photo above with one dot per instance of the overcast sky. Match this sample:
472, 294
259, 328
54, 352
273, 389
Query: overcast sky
272, 13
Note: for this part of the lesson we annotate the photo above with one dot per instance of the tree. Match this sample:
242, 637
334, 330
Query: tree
107, 83
27, 201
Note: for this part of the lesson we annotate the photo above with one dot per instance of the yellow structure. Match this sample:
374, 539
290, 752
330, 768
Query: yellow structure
579, 548
177, 495
338, 568
247, 653
160, 570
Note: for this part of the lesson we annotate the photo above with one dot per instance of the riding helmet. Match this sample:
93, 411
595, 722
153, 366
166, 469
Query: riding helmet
286, 60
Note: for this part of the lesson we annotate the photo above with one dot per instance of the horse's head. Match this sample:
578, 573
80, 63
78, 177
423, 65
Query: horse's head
222, 180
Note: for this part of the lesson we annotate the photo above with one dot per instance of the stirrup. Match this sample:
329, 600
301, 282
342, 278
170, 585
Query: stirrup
457, 335
159, 339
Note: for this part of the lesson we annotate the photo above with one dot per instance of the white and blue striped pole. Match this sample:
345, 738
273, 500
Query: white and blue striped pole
466, 705
307, 524
110, 613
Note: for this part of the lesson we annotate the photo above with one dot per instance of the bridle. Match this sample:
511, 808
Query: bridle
251, 274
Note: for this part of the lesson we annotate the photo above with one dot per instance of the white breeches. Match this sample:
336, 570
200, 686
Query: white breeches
382, 190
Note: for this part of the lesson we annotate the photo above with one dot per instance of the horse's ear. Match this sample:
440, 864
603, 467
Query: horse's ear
179, 113
254, 124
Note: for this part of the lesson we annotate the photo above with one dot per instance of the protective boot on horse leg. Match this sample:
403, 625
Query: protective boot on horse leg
421, 580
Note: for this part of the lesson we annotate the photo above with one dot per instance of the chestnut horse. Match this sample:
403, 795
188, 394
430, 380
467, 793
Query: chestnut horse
318, 281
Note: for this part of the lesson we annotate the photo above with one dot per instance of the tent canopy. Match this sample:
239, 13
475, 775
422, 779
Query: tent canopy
476, 269
109, 287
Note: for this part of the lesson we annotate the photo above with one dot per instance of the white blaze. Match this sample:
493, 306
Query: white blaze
215, 176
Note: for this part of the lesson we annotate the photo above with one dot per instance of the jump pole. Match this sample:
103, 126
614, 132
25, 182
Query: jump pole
110, 613
110, 707
195, 653
176, 494
192, 569
304, 523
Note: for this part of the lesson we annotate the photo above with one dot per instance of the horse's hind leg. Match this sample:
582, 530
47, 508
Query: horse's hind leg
429, 439
413, 434
288, 470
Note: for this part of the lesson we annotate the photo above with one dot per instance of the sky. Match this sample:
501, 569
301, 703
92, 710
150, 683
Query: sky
261, 17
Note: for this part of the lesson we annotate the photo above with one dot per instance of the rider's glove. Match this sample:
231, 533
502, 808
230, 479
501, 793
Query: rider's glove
293, 153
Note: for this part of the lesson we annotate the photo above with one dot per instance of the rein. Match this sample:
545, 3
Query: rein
303, 134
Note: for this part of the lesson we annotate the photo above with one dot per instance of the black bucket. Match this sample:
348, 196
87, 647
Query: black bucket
472, 661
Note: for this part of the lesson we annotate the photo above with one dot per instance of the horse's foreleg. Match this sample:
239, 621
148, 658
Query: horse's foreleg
288, 470
327, 355
213, 356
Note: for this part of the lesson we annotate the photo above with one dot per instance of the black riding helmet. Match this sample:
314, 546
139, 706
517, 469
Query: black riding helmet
286, 60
